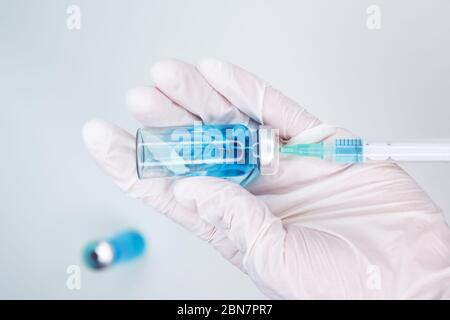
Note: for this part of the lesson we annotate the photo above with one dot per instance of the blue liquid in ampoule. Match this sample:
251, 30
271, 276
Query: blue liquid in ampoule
228, 151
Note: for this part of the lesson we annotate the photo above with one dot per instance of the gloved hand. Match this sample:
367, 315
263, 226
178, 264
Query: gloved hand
315, 229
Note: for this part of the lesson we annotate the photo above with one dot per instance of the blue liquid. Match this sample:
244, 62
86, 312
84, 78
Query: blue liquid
228, 151
349, 151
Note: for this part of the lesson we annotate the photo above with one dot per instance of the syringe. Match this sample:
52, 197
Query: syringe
355, 150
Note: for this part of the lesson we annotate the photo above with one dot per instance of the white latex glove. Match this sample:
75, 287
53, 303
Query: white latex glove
315, 229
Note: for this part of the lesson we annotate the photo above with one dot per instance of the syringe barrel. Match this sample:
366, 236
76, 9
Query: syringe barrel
411, 151
345, 150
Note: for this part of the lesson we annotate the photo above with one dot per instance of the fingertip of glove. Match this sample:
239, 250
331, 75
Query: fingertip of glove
136, 96
95, 132
167, 73
210, 66
139, 100
209, 63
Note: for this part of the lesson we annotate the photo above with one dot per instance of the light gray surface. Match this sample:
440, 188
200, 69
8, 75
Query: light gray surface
387, 83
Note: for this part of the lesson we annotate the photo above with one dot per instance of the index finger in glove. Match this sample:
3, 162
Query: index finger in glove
256, 98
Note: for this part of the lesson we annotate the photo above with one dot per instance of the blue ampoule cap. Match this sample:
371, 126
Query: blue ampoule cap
122, 247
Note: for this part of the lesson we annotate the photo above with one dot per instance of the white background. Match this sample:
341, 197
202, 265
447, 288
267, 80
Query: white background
382, 84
